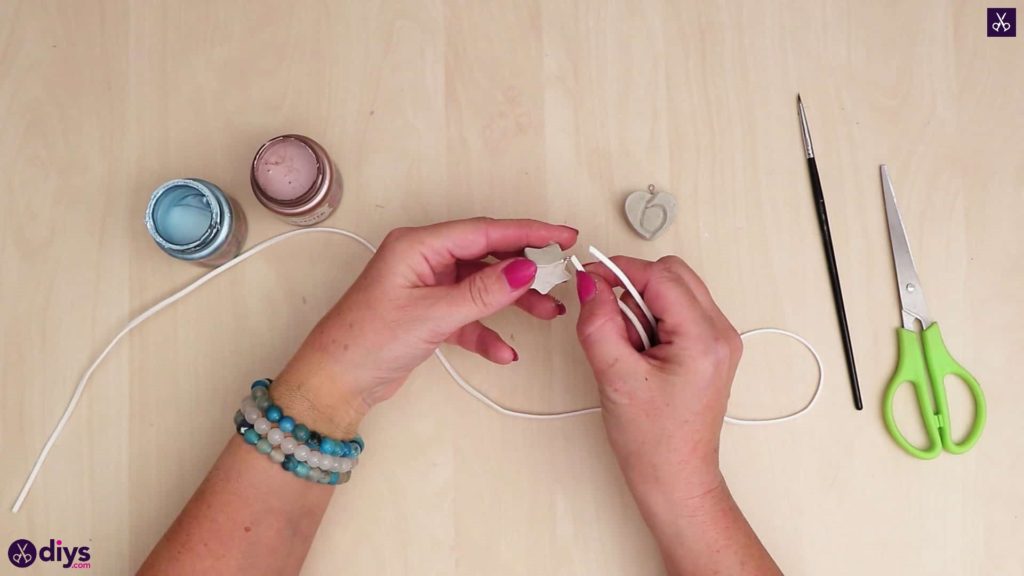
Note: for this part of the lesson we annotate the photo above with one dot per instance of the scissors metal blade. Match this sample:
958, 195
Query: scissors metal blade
911, 295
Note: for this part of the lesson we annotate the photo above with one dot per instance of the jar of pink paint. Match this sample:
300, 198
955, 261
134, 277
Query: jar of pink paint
293, 176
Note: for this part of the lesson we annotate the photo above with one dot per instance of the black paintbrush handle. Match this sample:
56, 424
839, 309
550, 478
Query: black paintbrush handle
833, 273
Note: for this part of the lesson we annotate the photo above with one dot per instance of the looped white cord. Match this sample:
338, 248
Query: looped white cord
645, 340
817, 387
628, 285
80, 387
498, 407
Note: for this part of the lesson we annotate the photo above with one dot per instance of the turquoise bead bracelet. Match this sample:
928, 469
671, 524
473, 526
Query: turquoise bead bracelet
305, 453
291, 455
272, 412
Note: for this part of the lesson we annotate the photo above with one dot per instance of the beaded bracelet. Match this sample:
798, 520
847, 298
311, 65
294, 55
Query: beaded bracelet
294, 457
315, 441
307, 464
305, 453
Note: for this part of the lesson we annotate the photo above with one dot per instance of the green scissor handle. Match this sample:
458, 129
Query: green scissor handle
925, 363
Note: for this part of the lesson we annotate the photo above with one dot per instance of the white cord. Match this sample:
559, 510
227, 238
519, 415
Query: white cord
628, 285
498, 407
817, 387
77, 395
644, 339
80, 387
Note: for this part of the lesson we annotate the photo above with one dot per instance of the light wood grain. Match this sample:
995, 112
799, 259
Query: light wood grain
554, 110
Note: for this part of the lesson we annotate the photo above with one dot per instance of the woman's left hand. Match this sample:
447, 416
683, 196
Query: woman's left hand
423, 287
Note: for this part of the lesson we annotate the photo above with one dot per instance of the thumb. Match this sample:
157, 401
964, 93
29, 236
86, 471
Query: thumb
601, 329
486, 292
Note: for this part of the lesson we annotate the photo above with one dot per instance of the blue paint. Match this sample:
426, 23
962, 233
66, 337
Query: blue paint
194, 220
182, 215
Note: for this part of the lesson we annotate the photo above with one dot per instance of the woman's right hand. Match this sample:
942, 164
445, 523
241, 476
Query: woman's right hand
663, 408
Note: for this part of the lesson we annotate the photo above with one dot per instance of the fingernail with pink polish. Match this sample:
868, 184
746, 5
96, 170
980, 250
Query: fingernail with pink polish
585, 286
519, 273
560, 307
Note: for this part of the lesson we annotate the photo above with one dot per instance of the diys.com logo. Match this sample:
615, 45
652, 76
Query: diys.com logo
23, 553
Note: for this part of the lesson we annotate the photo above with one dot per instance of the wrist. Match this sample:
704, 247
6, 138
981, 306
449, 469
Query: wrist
321, 401
687, 492
672, 513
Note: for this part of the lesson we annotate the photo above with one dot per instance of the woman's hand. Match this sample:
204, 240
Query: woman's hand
663, 410
423, 287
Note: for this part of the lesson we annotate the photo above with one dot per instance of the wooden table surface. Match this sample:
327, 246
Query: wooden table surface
554, 110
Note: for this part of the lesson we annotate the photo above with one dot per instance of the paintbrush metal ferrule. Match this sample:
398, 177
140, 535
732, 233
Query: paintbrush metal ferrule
805, 131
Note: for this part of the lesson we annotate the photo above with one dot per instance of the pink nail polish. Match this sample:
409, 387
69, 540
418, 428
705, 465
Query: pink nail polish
560, 307
585, 286
515, 355
519, 273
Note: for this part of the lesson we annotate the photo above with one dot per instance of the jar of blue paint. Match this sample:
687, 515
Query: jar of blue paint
194, 220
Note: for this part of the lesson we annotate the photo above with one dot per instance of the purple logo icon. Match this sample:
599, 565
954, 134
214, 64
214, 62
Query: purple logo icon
22, 553
1002, 22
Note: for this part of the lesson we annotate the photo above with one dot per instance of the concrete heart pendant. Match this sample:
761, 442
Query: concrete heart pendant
650, 212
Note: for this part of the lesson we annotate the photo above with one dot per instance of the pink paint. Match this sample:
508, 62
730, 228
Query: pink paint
293, 177
286, 169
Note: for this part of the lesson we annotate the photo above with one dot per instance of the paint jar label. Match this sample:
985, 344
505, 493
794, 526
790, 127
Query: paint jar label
320, 214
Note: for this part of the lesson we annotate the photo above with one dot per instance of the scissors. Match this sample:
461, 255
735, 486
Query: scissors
22, 557
1001, 25
924, 361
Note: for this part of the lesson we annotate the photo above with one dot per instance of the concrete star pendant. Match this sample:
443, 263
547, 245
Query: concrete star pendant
550, 262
